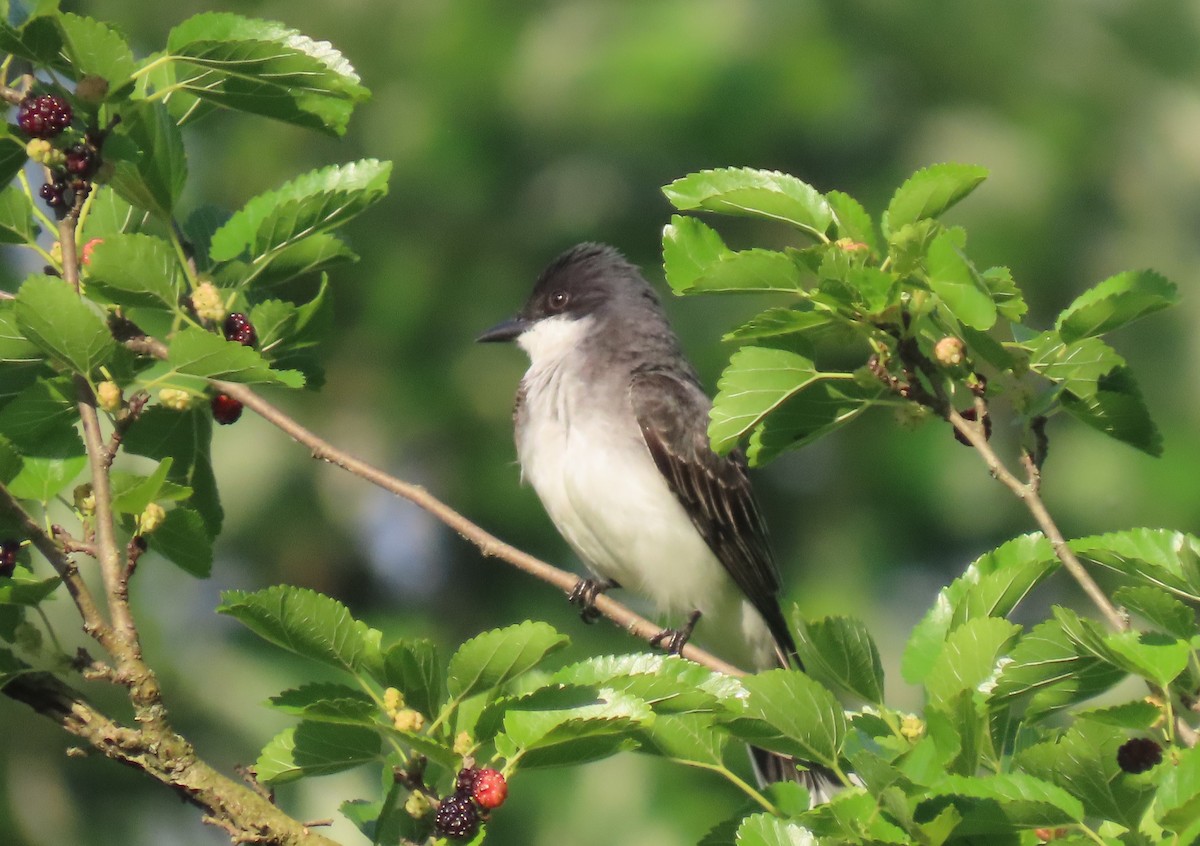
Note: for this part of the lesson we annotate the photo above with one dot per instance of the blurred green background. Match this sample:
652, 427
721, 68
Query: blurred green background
518, 129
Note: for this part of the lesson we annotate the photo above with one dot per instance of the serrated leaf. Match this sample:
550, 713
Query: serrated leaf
1005, 293
313, 749
741, 272
1157, 657
781, 321
1003, 802
40, 423
265, 68
1047, 664
667, 683
853, 816
1078, 366
15, 348
954, 279
547, 738
807, 716
1159, 608
689, 247
1161, 557
155, 178
852, 220
413, 668
492, 658
931, 191
12, 158
840, 651
186, 438
692, 739
1084, 762
1117, 409
51, 315
760, 380
1178, 807
195, 352
991, 586
16, 217
23, 588
327, 702
308, 623
310, 204
96, 48
1115, 302
968, 661
136, 270
754, 193
307, 255
769, 830
1140, 715
183, 538
273, 320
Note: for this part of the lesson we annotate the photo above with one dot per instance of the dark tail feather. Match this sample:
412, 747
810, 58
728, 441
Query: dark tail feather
820, 782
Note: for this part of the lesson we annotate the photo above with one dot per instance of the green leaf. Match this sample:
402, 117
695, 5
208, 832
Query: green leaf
761, 380
1047, 665
853, 816
40, 422
1161, 557
273, 320
741, 272
136, 270
1117, 409
1002, 802
50, 314
309, 624
781, 321
15, 348
155, 178
807, 716
96, 48
313, 203
1159, 608
1140, 715
185, 438
755, 193
689, 247
327, 702
1004, 293
953, 278
110, 214
265, 68
807, 416
969, 659
571, 736
195, 352
840, 651
1077, 366
184, 539
314, 749
413, 668
1084, 762
308, 255
1178, 807
1157, 657
23, 588
769, 830
852, 220
692, 739
930, 192
492, 658
16, 217
1116, 301
12, 159
131, 493
992, 586
667, 683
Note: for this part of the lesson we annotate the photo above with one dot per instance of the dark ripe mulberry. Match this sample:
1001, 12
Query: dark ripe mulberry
43, 116
225, 409
54, 194
970, 414
457, 817
82, 160
239, 328
8, 556
465, 781
1139, 755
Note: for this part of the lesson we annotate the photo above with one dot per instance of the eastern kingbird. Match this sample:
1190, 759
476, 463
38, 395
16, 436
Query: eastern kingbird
611, 431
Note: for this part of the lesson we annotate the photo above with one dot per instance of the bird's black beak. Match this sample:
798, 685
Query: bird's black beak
509, 330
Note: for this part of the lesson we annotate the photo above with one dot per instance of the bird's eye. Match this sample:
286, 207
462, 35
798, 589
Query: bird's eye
558, 300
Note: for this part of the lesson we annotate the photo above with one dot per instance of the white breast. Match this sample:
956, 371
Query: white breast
607, 498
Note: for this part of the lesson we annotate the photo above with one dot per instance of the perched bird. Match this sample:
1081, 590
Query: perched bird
611, 431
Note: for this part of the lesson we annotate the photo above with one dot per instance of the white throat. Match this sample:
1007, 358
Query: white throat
552, 340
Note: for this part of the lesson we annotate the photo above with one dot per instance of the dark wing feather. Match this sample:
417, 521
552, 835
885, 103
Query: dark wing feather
672, 412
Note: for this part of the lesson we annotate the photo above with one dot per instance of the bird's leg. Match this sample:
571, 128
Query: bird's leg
674, 640
584, 595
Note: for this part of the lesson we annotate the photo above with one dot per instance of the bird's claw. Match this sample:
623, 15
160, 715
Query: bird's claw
584, 595
673, 640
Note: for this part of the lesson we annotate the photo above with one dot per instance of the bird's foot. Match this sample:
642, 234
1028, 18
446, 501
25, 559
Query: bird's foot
584, 595
673, 640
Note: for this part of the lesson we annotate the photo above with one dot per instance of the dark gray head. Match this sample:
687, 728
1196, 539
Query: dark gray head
587, 280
